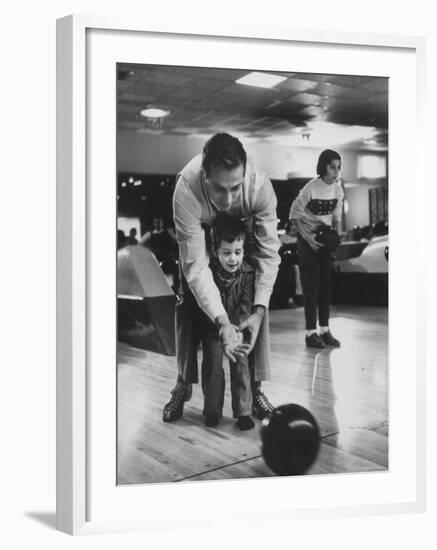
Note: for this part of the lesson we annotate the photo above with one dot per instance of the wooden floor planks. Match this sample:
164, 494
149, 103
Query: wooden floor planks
346, 389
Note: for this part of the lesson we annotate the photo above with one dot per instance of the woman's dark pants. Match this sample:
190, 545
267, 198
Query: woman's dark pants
316, 276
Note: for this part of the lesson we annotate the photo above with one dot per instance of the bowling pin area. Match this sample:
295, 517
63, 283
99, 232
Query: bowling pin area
346, 390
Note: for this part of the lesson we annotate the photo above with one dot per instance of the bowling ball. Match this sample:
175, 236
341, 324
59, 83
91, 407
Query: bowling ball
290, 440
328, 237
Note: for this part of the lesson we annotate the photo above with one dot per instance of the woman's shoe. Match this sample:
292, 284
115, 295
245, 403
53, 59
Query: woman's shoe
314, 340
329, 340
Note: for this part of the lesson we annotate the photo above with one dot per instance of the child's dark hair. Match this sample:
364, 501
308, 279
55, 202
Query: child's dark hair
227, 228
326, 156
223, 151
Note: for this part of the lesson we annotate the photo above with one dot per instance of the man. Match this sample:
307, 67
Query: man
222, 179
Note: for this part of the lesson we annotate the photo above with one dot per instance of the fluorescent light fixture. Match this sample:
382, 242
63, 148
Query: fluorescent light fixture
154, 113
262, 80
372, 166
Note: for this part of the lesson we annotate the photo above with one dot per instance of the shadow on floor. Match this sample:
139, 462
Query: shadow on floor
46, 518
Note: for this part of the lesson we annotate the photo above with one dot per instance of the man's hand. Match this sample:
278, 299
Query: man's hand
252, 325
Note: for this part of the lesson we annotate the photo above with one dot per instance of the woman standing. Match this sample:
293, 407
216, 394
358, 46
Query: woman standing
316, 212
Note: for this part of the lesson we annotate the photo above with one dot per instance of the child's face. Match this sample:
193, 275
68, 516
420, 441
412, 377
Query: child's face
332, 171
230, 255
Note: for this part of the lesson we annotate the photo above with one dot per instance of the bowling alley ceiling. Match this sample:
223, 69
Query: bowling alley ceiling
303, 109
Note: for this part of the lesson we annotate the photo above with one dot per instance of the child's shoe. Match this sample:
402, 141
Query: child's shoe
245, 423
211, 421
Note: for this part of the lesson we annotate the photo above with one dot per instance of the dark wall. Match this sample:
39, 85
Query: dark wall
153, 198
286, 191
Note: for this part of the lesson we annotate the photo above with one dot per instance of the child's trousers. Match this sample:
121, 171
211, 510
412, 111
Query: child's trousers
213, 381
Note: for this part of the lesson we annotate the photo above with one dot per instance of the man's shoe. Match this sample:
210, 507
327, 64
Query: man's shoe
314, 341
261, 405
329, 340
211, 421
174, 409
245, 423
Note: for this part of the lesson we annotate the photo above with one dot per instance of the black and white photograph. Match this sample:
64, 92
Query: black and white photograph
222, 332
252, 273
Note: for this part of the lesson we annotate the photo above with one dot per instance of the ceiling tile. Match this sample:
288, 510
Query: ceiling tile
350, 80
317, 77
380, 84
328, 89
212, 97
306, 99
296, 85
311, 111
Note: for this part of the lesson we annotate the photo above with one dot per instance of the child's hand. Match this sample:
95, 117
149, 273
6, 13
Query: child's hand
239, 349
230, 338
242, 350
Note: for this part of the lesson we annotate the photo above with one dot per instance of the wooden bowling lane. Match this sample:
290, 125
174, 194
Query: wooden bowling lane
346, 389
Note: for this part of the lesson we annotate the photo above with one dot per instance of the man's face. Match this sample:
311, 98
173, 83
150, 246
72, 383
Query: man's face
230, 255
224, 186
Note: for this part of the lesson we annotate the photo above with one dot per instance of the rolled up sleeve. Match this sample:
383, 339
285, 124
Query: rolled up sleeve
336, 214
192, 250
297, 211
266, 234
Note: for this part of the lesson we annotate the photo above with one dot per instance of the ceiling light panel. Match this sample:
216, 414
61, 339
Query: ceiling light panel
261, 80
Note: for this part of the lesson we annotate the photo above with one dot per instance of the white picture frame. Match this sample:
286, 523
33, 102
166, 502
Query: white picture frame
75, 343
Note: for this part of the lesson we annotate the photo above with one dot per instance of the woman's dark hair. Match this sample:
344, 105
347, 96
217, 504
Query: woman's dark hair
327, 156
223, 151
227, 227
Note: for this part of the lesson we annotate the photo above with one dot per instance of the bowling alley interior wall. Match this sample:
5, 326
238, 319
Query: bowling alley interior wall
156, 159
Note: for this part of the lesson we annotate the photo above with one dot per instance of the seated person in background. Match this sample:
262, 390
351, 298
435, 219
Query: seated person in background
235, 279
162, 242
289, 261
380, 228
366, 234
132, 239
289, 238
319, 204
160, 239
121, 239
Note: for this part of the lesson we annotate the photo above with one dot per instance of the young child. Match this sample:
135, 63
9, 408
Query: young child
235, 279
318, 205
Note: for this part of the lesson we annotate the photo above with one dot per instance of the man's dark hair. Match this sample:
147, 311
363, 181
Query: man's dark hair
227, 227
223, 151
326, 157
